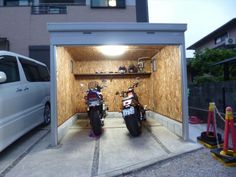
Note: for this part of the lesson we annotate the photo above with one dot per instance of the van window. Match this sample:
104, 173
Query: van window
34, 72
44, 74
8, 65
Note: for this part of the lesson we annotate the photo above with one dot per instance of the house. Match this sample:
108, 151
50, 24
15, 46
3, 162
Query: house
223, 37
68, 33
23, 22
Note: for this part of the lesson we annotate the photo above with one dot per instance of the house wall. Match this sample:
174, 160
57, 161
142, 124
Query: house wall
210, 44
23, 29
166, 84
232, 33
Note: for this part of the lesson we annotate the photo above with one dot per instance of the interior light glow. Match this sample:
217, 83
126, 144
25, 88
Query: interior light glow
113, 50
112, 3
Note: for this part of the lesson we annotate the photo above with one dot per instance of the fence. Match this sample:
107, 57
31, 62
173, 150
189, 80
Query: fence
222, 93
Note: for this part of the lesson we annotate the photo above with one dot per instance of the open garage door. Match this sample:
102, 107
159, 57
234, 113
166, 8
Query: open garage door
75, 58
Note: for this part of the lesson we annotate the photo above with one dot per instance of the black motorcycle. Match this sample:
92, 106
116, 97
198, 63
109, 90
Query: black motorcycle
96, 107
132, 111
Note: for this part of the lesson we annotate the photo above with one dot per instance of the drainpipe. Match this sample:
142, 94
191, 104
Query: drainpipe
142, 11
185, 125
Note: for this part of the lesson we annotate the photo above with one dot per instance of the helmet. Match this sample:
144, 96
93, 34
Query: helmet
132, 69
122, 69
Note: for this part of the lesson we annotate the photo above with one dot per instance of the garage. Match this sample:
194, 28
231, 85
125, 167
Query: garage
76, 59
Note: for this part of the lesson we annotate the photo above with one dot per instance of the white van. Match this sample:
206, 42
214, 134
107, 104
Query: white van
24, 96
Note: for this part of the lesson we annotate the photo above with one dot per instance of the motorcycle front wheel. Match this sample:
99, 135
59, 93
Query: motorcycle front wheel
95, 122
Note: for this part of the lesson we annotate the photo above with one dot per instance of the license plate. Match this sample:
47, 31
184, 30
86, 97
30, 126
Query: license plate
129, 111
94, 103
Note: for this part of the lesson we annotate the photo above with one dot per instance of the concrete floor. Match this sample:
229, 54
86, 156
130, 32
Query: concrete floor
114, 153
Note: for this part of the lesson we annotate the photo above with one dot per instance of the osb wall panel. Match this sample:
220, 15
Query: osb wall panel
166, 83
66, 106
106, 65
113, 85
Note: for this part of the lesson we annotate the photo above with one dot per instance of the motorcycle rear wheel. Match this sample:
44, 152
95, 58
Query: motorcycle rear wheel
95, 121
133, 125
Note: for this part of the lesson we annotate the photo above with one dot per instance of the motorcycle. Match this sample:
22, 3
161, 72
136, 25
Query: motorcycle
96, 107
132, 111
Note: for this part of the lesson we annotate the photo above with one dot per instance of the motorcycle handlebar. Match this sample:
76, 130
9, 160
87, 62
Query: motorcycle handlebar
126, 92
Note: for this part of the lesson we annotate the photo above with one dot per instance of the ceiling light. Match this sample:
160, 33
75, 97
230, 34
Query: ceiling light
113, 50
112, 3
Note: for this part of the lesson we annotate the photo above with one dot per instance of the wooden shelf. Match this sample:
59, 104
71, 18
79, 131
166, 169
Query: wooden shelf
146, 74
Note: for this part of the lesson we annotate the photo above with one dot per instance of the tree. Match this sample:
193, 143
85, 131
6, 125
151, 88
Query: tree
201, 65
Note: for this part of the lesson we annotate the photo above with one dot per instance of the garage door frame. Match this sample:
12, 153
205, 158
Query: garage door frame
65, 34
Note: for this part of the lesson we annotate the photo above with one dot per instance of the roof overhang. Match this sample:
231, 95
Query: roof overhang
70, 27
116, 33
226, 61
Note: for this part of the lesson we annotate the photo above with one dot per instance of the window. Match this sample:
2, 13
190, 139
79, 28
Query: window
221, 38
17, 2
108, 3
8, 65
76, 2
34, 72
43, 71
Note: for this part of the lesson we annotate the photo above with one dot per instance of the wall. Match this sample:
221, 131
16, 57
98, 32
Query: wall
166, 84
66, 101
113, 84
161, 91
23, 29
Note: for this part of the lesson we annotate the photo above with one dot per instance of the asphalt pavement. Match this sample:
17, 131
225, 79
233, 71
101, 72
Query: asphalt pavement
199, 163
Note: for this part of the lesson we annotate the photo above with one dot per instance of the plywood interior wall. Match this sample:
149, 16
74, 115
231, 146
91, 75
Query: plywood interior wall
166, 83
161, 92
66, 102
113, 84
105, 66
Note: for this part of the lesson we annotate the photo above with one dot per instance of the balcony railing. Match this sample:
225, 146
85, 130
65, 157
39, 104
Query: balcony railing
48, 9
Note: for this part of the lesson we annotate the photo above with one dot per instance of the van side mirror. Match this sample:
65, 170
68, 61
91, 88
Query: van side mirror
3, 77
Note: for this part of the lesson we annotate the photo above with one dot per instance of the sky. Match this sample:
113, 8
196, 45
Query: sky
202, 16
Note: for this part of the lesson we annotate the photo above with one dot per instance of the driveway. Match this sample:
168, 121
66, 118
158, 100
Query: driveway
114, 153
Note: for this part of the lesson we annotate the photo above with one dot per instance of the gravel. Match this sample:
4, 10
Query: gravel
195, 164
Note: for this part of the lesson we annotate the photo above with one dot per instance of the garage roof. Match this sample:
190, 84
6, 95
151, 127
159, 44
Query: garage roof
97, 26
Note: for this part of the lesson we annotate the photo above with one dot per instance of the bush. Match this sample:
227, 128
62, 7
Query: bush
201, 66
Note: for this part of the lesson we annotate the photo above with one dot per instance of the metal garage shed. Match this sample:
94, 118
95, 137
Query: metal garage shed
73, 52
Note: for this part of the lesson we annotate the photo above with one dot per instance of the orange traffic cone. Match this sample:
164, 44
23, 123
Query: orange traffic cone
208, 137
227, 155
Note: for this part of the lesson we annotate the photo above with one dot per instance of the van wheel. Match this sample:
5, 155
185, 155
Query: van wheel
47, 114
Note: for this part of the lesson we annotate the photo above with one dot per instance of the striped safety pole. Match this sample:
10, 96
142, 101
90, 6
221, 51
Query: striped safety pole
229, 129
210, 119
